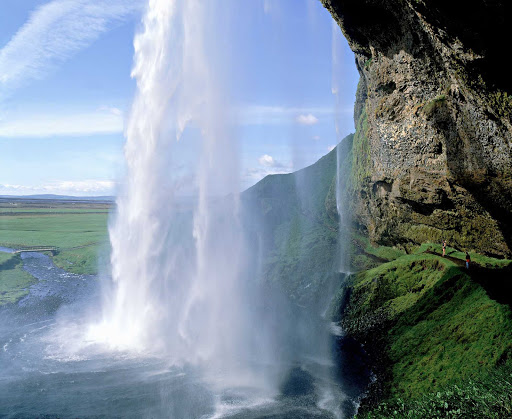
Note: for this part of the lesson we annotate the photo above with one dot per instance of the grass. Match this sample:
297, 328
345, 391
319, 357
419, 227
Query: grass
14, 281
434, 324
77, 231
60, 230
486, 397
83, 260
483, 260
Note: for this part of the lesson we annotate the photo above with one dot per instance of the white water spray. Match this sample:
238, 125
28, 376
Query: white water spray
176, 275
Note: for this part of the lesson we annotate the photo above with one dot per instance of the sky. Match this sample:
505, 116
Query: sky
66, 90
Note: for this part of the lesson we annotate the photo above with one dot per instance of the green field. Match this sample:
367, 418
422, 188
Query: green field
78, 231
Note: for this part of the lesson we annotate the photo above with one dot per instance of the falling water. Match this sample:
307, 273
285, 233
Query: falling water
336, 86
175, 275
181, 268
188, 328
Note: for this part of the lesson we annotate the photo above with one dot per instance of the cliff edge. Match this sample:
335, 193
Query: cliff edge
432, 154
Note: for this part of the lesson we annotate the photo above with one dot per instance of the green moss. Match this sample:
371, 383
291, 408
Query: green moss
501, 103
397, 285
453, 333
384, 253
435, 104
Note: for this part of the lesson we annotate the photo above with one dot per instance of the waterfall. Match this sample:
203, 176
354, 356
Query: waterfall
336, 87
176, 262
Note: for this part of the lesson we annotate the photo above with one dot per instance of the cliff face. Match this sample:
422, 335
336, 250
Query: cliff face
432, 156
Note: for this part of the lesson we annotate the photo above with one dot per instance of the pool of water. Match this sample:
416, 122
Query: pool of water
49, 369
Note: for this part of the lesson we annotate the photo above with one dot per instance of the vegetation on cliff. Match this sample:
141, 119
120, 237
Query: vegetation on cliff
437, 128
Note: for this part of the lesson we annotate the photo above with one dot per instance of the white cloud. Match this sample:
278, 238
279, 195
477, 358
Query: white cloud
267, 166
316, 137
267, 160
308, 119
331, 147
79, 188
39, 125
112, 110
53, 33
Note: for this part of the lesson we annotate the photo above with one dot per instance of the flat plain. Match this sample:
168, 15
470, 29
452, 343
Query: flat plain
77, 229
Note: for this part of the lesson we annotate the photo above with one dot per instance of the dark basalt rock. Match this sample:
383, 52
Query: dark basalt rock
433, 151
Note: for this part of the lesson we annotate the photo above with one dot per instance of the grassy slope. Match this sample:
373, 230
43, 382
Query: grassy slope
296, 216
435, 327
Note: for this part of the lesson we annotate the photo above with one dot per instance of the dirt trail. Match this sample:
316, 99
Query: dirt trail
497, 282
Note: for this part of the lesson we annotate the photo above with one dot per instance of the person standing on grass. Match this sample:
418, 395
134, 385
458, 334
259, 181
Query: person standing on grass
468, 259
444, 247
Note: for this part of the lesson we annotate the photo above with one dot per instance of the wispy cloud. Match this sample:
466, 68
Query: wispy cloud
81, 188
53, 33
105, 120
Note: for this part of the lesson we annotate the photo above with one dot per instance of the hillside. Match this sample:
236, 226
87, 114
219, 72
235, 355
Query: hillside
428, 323
294, 217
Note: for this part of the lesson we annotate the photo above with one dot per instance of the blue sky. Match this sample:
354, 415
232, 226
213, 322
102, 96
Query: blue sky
65, 90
